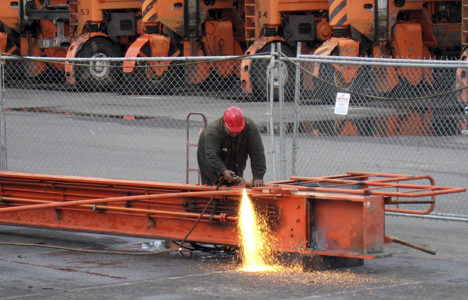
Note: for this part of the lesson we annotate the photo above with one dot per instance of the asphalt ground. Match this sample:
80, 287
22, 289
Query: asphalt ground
170, 106
28, 272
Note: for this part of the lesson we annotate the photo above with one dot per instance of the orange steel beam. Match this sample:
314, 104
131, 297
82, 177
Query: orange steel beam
120, 199
126, 209
339, 215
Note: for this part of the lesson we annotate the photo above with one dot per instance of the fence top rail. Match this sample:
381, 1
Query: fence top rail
373, 61
349, 60
179, 58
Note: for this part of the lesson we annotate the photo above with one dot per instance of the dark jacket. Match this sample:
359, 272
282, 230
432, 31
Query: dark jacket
217, 151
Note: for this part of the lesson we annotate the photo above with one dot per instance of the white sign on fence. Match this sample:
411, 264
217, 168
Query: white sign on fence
342, 103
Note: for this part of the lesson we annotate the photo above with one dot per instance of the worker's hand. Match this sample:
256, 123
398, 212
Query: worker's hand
228, 174
257, 183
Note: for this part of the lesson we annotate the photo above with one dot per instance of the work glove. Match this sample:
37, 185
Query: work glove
257, 183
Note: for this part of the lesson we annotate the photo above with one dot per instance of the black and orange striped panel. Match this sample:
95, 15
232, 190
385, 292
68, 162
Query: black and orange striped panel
338, 12
149, 11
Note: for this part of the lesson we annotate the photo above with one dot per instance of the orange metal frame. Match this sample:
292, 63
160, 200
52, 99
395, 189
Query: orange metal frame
192, 145
339, 215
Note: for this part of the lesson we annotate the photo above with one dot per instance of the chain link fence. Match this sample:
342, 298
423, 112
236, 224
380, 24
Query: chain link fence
140, 119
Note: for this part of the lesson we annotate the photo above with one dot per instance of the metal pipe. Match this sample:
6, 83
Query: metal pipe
270, 93
3, 140
397, 240
130, 209
122, 199
435, 216
98, 183
434, 190
375, 61
297, 92
280, 66
331, 196
194, 145
409, 202
411, 211
119, 59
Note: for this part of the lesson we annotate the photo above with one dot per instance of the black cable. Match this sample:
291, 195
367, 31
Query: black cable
218, 185
85, 250
371, 96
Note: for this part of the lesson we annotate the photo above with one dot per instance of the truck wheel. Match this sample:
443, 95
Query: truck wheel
98, 75
330, 81
324, 85
14, 70
260, 81
448, 113
146, 80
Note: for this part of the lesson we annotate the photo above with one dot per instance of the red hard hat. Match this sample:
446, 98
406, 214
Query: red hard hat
234, 119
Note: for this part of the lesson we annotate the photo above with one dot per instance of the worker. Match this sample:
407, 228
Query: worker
223, 148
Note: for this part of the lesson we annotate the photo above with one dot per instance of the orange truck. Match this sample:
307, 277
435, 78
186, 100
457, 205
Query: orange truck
150, 28
224, 27
393, 29
70, 28
35, 28
114, 28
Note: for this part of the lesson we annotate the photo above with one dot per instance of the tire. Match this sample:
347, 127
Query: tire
448, 111
221, 87
260, 82
364, 87
324, 88
101, 75
330, 81
366, 126
14, 72
146, 81
447, 115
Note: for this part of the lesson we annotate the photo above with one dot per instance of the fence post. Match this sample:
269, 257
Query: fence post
3, 148
297, 91
280, 66
271, 99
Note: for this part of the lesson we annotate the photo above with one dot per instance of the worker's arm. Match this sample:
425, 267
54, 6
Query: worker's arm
213, 150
